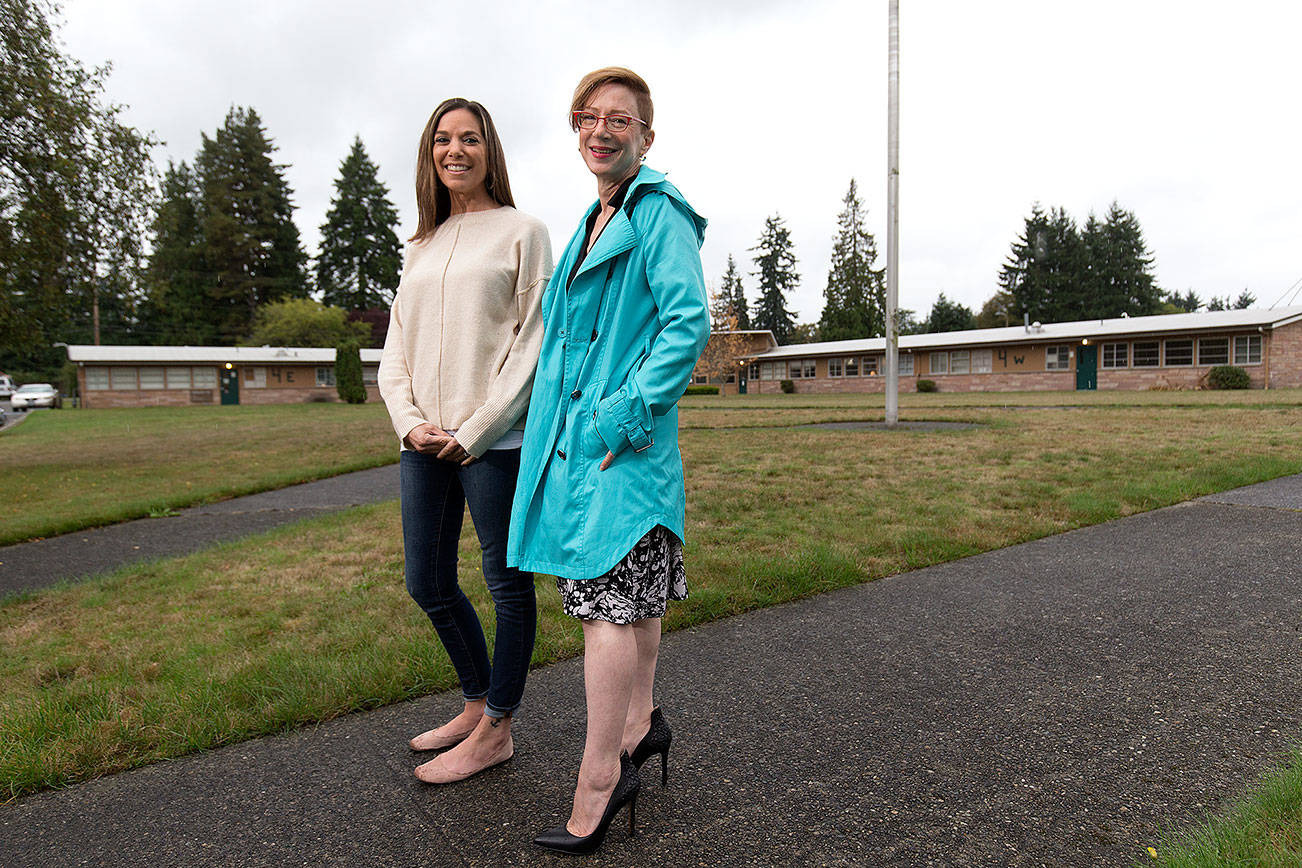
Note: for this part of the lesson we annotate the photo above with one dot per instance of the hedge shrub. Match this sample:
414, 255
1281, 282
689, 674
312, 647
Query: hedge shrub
702, 390
1228, 377
787, 386
348, 373
927, 386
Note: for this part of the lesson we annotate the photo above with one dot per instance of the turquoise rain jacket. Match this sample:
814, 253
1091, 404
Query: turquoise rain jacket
619, 346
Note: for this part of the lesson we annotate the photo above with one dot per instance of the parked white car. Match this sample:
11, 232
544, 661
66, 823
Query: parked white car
34, 395
6, 386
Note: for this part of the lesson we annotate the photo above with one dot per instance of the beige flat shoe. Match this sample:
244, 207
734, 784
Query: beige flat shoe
436, 772
433, 740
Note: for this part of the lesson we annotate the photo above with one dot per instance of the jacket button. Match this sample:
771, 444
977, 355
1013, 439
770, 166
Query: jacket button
576, 394
561, 454
594, 335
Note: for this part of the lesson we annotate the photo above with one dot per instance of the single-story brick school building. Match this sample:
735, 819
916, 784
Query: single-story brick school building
120, 376
1166, 351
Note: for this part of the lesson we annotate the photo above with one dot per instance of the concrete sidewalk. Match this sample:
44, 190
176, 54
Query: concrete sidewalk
82, 554
1053, 703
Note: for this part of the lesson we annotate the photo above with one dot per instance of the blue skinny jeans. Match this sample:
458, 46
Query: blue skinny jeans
434, 497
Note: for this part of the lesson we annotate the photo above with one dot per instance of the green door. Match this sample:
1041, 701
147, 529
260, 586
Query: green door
1087, 367
741, 385
230, 386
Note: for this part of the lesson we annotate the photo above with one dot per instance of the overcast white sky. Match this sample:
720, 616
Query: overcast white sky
1185, 113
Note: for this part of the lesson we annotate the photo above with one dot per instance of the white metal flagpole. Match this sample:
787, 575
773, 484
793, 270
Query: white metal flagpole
893, 217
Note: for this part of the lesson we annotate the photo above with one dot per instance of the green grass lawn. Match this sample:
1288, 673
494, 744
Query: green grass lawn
69, 469
311, 621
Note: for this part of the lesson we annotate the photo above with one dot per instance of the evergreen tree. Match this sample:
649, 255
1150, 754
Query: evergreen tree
75, 191
250, 247
1119, 275
1245, 300
949, 316
360, 258
855, 297
1045, 274
775, 262
176, 307
732, 299
1186, 303
348, 373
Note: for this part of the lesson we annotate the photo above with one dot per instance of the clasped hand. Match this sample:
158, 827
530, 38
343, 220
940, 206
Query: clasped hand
432, 440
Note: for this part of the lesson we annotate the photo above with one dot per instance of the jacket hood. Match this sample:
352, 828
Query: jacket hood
648, 180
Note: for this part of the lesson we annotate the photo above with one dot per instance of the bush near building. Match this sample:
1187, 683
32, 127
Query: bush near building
1228, 377
927, 386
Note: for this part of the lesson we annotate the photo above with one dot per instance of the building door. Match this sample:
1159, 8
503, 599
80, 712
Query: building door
741, 385
230, 386
1087, 367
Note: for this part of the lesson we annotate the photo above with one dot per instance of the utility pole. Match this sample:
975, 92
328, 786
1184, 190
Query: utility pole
893, 216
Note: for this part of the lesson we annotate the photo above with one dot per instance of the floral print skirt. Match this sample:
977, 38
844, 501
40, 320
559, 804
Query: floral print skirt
634, 589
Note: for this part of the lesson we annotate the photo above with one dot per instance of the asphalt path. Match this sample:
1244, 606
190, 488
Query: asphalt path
38, 564
1052, 703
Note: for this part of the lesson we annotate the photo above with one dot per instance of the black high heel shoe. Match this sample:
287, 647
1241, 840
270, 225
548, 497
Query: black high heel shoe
656, 741
562, 841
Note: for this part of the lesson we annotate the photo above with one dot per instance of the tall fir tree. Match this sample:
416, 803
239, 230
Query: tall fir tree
732, 298
250, 248
360, 258
175, 309
76, 188
1045, 273
855, 298
1118, 278
775, 263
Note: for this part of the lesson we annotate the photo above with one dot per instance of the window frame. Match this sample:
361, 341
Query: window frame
1062, 357
1166, 344
1113, 366
1157, 354
941, 356
834, 367
1247, 354
1212, 342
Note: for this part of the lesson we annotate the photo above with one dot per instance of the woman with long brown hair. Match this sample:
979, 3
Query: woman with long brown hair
456, 375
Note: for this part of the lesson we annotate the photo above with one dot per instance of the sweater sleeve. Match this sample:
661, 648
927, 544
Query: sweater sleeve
394, 378
673, 270
508, 394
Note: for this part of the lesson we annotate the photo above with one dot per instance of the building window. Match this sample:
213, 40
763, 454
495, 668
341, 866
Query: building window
1178, 353
1247, 350
852, 366
1214, 351
982, 361
178, 378
255, 378
1057, 358
697, 379
811, 369
939, 363
1147, 354
794, 369
151, 378
97, 379
766, 371
326, 377
906, 365
123, 379
731, 378
1115, 355
204, 378
834, 367
755, 371
871, 365
960, 362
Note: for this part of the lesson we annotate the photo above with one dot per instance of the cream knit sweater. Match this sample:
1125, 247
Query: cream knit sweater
466, 327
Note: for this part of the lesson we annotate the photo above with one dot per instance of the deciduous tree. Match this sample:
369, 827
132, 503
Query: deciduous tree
76, 186
303, 322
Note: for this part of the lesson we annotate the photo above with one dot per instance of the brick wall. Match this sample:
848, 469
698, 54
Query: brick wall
1283, 348
103, 399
